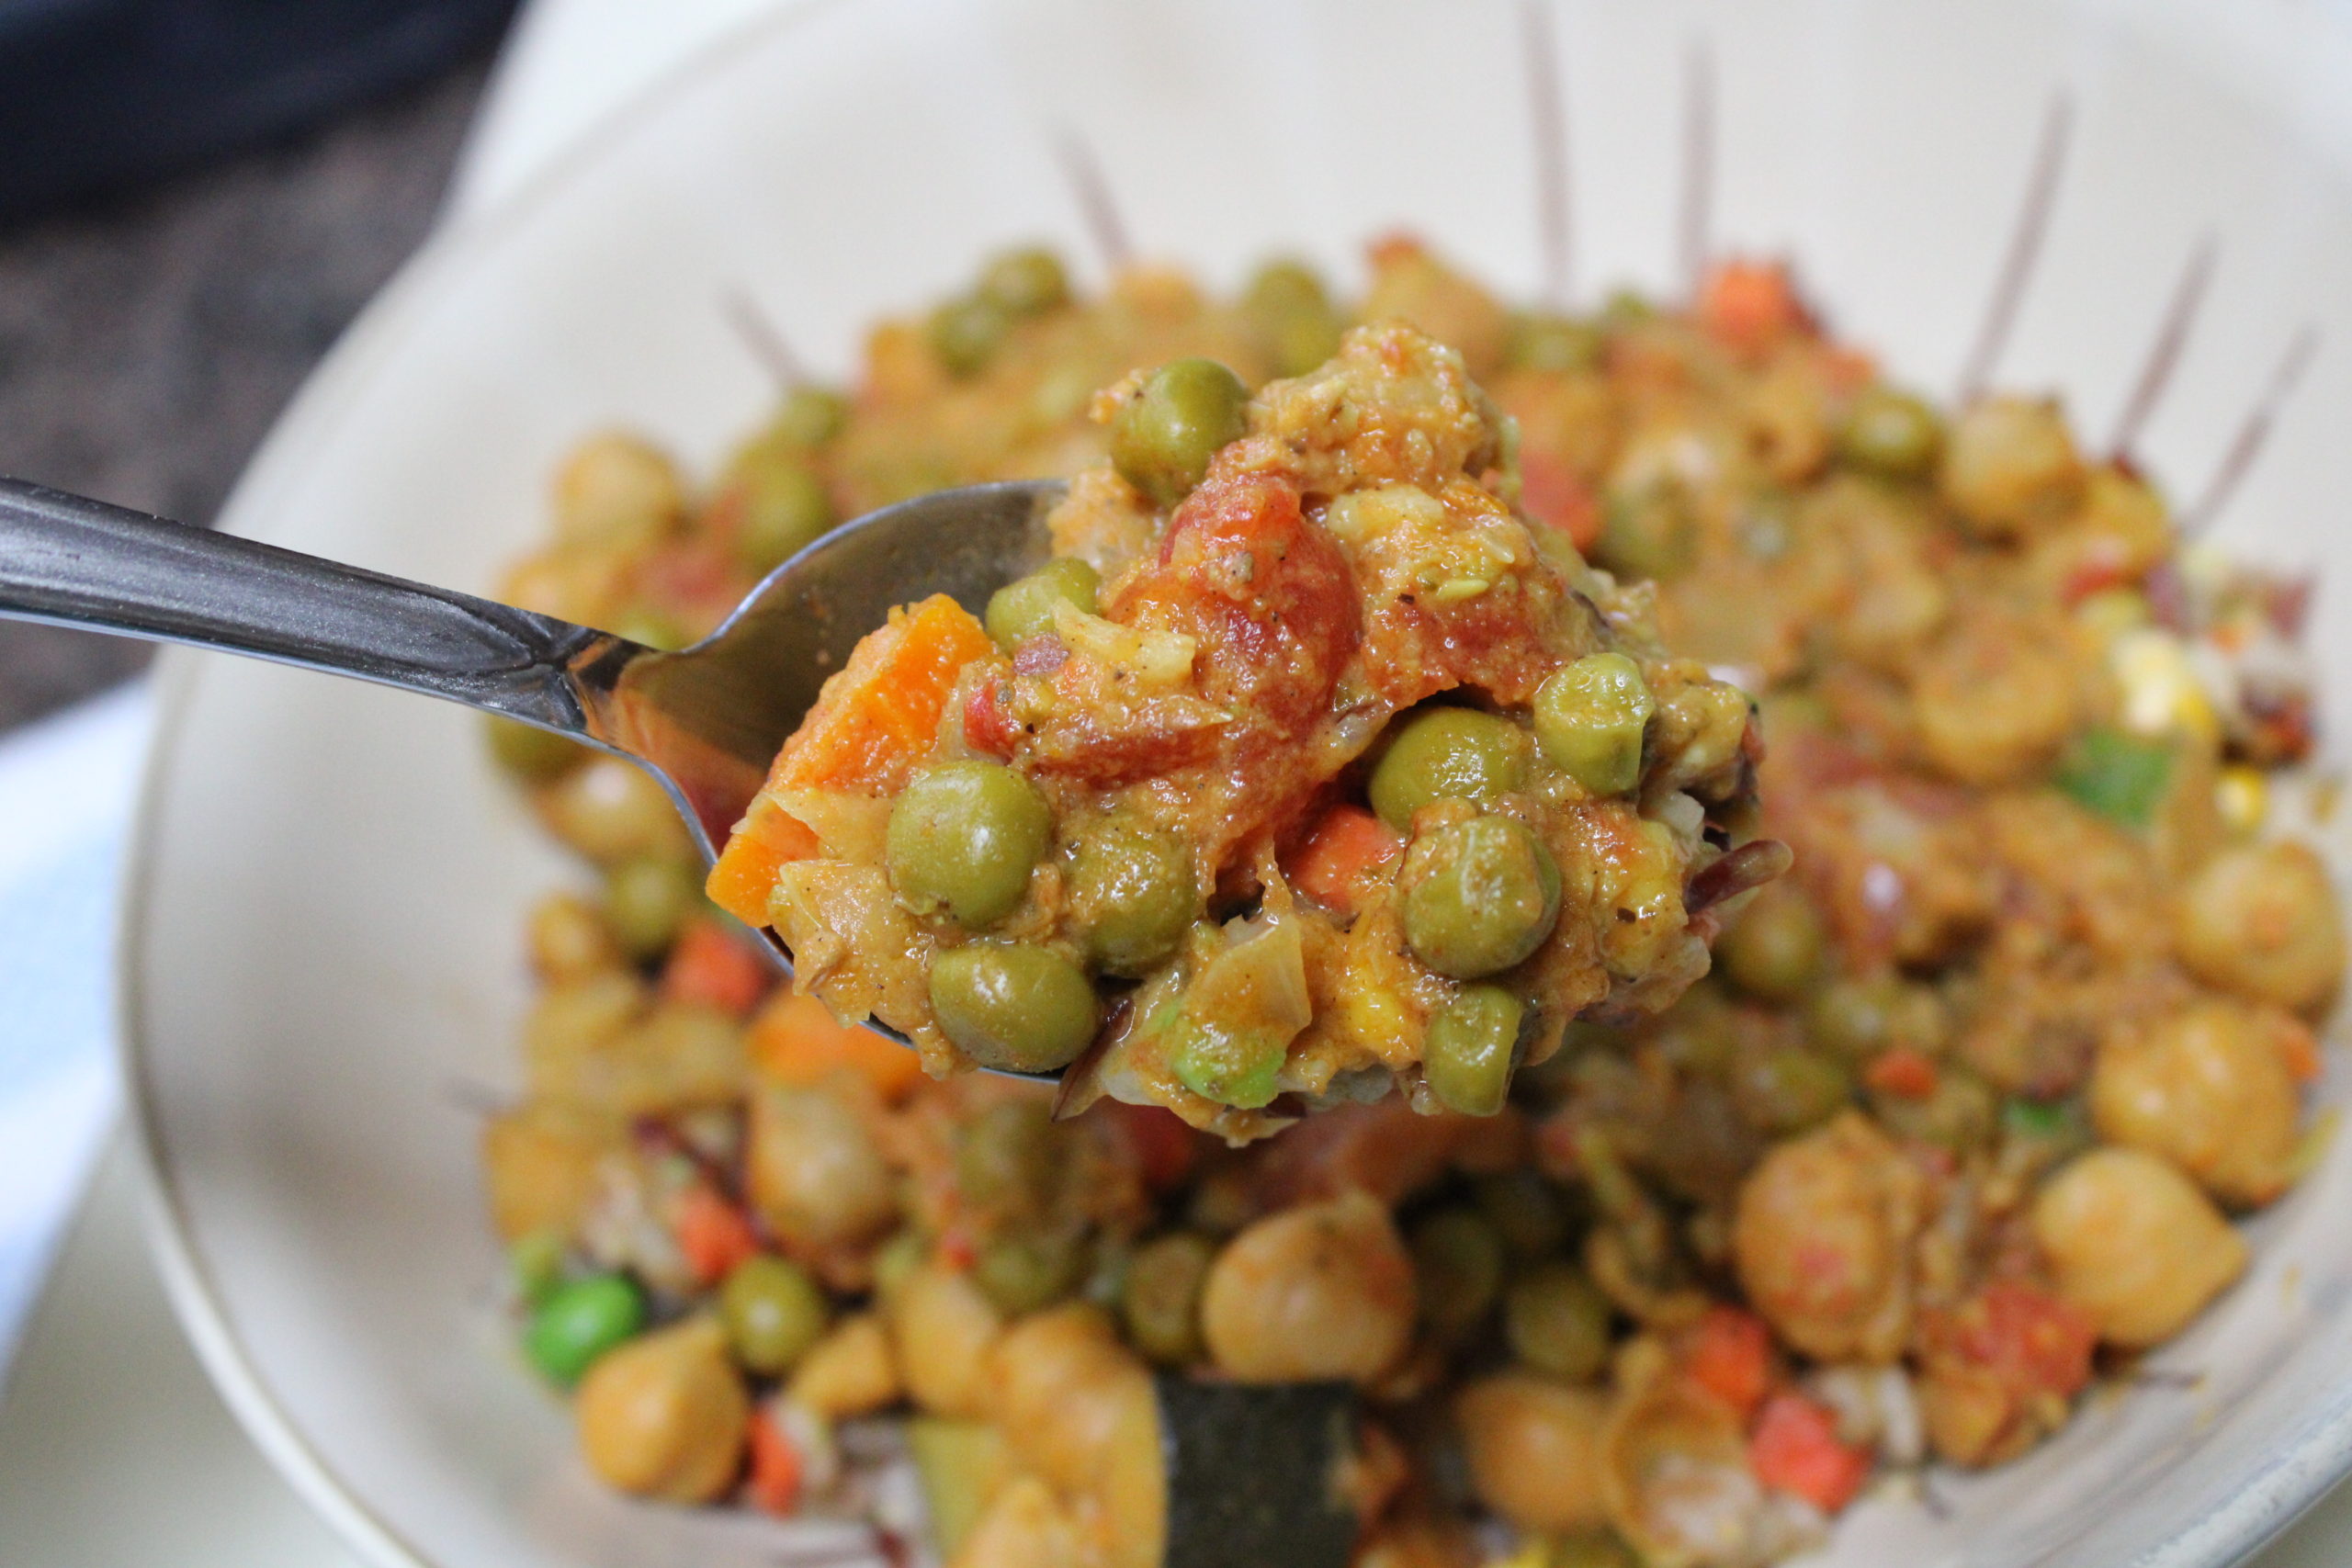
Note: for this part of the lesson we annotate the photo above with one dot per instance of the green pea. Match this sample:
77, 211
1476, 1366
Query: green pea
1284, 285
580, 1320
1020, 1273
1240, 1068
1891, 433
1014, 1007
1591, 1549
963, 837
1480, 897
895, 1260
1135, 891
535, 1262
1447, 754
647, 900
1526, 1212
1025, 282
1784, 1091
1652, 533
2042, 1120
1025, 608
1776, 947
1159, 1300
1293, 317
785, 509
1856, 1018
810, 417
532, 754
1162, 438
1555, 345
1589, 719
654, 629
1458, 1266
1557, 1322
1958, 1115
1470, 1050
965, 334
773, 1310
1009, 1158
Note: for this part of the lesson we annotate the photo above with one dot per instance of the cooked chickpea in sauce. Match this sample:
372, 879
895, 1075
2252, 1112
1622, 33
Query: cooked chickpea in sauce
1417, 690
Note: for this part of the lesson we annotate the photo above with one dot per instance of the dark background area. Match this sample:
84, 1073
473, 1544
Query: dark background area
158, 309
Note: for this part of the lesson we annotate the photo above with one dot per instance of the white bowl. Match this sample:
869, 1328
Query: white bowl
323, 959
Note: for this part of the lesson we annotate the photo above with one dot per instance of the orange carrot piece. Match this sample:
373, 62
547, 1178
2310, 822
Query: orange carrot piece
795, 1041
1748, 306
777, 1468
1348, 843
1796, 1449
2300, 1047
1730, 1355
877, 721
1550, 492
745, 873
712, 1233
1902, 1072
712, 965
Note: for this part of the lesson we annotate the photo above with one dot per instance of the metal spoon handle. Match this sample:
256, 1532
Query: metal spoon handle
72, 561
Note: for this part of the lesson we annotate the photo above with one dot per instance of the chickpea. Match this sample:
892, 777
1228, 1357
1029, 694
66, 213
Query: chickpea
1822, 1236
1321, 1291
569, 939
540, 1162
1024, 1526
2010, 466
942, 1327
665, 1415
1993, 702
2207, 1088
850, 1372
2262, 921
611, 811
1061, 1385
618, 490
813, 1170
1535, 1449
2134, 1245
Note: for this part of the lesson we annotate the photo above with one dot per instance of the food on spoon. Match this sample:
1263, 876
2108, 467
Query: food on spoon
1005, 838
1960, 1121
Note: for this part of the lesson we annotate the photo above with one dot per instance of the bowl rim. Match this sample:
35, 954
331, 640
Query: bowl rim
2308, 1465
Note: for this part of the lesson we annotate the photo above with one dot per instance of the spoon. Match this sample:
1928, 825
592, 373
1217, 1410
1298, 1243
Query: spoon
705, 720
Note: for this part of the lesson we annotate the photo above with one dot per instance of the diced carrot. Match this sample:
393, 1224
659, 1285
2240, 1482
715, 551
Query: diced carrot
777, 1467
712, 1233
1796, 1449
1164, 1147
1348, 843
1730, 1355
746, 870
1551, 493
872, 726
713, 966
2300, 1048
1902, 1072
957, 1250
1748, 306
877, 721
796, 1040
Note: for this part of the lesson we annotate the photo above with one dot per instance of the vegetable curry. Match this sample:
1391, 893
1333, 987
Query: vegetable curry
1962, 1116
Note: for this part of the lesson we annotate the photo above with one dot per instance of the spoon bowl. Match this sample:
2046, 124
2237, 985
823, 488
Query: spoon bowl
705, 720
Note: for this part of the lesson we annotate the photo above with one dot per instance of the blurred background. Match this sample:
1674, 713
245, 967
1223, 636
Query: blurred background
199, 196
